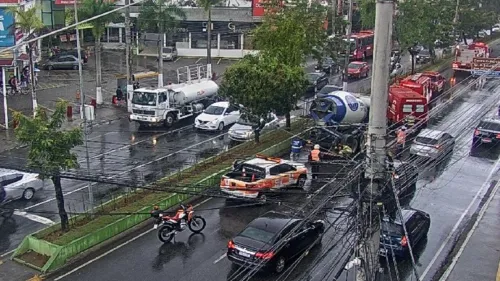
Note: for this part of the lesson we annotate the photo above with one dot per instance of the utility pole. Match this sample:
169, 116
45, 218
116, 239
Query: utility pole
82, 109
32, 77
160, 48
348, 48
377, 173
209, 37
128, 52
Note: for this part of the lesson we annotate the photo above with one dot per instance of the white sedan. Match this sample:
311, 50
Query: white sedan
217, 116
20, 185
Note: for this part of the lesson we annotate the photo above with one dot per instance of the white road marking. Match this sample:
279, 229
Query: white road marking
125, 172
220, 258
101, 135
117, 247
459, 222
7, 253
35, 218
178, 58
469, 235
197, 61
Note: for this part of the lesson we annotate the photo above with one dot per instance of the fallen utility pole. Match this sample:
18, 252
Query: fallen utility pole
348, 48
377, 173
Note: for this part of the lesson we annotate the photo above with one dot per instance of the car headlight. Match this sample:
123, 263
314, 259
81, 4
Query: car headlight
418, 57
214, 121
249, 134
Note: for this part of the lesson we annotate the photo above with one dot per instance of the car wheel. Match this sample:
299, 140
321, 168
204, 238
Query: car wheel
28, 193
262, 198
169, 120
301, 181
221, 126
280, 264
50, 67
75, 67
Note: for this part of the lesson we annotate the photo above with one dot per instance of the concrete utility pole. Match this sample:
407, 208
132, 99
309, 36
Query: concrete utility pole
128, 52
82, 109
377, 129
209, 37
161, 42
348, 48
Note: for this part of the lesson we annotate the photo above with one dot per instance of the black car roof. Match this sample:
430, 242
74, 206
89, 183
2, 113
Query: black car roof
406, 213
272, 221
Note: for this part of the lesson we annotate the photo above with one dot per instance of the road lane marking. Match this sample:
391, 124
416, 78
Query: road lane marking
459, 222
35, 218
127, 171
469, 235
117, 247
220, 258
178, 58
197, 61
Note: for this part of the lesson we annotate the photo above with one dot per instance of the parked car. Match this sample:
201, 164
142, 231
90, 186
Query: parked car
169, 53
327, 65
486, 132
392, 234
317, 80
62, 62
217, 116
83, 54
328, 89
243, 130
496, 28
424, 56
358, 69
263, 175
20, 185
272, 240
432, 144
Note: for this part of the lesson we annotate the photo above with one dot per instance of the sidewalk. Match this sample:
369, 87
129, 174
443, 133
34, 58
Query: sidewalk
105, 114
480, 257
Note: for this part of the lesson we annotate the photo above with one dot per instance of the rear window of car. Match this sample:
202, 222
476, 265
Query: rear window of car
258, 234
489, 126
391, 228
424, 140
252, 169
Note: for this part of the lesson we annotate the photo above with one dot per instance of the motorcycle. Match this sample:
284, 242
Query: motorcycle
169, 226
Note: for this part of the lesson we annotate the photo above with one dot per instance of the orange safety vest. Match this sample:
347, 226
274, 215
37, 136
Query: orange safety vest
401, 138
315, 155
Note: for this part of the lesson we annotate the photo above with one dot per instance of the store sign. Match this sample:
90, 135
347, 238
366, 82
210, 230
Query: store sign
7, 39
259, 7
486, 63
9, 1
64, 2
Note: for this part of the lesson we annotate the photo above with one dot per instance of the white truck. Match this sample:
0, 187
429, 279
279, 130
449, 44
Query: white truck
164, 106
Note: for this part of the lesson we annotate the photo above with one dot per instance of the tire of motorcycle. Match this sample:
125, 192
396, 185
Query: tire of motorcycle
164, 230
199, 219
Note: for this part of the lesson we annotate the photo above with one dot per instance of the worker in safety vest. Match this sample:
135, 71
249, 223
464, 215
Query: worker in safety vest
400, 141
297, 145
315, 154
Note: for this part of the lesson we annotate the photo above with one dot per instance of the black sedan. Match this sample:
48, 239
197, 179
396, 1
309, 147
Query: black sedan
272, 240
317, 80
327, 65
424, 56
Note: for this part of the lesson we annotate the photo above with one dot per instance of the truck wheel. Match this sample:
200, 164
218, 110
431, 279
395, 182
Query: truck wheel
169, 120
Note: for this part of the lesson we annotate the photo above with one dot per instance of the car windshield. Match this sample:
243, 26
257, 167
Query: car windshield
142, 98
391, 228
353, 44
313, 77
328, 89
244, 121
214, 110
167, 50
355, 65
327, 61
424, 53
489, 126
424, 140
257, 234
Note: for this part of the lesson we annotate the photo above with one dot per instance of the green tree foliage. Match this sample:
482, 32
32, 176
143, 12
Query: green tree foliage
50, 148
367, 11
473, 17
89, 9
156, 15
263, 85
293, 32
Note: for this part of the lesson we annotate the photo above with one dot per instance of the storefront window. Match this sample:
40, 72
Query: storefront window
199, 40
230, 41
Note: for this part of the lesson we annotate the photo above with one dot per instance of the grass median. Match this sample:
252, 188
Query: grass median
186, 179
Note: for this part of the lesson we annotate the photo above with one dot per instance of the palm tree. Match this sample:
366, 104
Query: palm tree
29, 23
207, 6
156, 16
89, 9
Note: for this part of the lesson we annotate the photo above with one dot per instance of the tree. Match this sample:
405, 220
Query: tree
50, 148
156, 16
292, 33
207, 6
89, 9
30, 24
474, 17
263, 85
367, 11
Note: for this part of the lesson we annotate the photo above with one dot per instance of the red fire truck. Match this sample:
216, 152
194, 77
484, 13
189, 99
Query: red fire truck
420, 84
464, 55
406, 107
438, 82
361, 45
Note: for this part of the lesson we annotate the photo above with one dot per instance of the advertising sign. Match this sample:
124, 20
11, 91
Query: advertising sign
485, 63
64, 2
9, 1
6, 36
257, 8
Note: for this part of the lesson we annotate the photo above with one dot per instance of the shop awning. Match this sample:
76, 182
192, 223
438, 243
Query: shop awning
7, 58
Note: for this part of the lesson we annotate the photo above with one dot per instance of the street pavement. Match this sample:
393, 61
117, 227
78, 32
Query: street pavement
118, 151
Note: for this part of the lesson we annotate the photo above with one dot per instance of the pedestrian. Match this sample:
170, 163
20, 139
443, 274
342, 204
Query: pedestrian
13, 83
297, 145
119, 94
400, 141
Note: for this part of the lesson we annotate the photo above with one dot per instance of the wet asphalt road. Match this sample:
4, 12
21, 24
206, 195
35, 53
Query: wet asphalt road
449, 192
118, 151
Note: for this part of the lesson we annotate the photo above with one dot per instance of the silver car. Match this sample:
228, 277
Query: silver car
432, 144
243, 131
20, 185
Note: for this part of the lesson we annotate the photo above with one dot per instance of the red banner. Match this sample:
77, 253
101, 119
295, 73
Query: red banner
64, 2
257, 8
9, 1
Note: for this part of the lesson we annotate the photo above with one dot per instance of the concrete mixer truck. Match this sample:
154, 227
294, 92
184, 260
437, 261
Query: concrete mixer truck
167, 105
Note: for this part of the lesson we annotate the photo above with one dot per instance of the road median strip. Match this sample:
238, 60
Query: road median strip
50, 249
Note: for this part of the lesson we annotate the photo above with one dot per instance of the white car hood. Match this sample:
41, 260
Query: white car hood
207, 117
